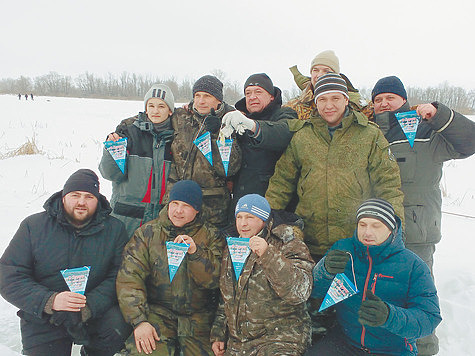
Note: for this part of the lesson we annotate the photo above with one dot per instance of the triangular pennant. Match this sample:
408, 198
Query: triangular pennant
175, 252
204, 145
409, 122
340, 289
239, 250
118, 150
225, 152
76, 278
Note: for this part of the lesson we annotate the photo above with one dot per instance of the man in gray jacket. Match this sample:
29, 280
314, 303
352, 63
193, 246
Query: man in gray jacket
442, 135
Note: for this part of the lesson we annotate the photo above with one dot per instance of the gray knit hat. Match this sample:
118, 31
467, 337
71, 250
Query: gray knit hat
209, 84
378, 209
160, 91
327, 58
330, 83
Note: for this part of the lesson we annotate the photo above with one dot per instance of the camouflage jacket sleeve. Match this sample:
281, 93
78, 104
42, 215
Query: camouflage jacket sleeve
384, 175
289, 270
218, 330
283, 184
130, 284
205, 264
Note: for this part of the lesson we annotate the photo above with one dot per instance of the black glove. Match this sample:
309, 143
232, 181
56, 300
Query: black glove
373, 311
65, 318
212, 122
335, 261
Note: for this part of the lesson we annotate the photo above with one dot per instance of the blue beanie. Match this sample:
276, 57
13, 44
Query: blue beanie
187, 191
253, 204
390, 84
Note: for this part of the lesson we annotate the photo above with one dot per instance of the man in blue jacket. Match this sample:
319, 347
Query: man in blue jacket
397, 301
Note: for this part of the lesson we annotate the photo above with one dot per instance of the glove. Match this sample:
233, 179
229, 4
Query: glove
212, 122
65, 318
335, 261
237, 121
373, 311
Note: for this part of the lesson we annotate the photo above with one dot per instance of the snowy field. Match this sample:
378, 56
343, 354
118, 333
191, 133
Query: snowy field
69, 133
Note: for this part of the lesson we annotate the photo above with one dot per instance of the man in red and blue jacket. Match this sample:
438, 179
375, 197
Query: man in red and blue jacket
397, 300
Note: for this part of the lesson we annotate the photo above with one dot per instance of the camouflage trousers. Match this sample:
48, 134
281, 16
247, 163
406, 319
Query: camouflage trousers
261, 347
181, 335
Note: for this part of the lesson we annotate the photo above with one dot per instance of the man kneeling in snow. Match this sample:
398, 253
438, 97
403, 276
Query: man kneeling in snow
264, 309
397, 302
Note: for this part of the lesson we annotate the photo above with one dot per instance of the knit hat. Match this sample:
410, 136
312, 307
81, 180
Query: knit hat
330, 83
260, 80
254, 204
160, 91
390, 84
187, 191
83, 180
209, 84
377, 209
327, 58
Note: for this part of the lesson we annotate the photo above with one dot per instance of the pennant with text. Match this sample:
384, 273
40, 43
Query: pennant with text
76, 278
224, 148
239, 250
204, 145
118, 150
409, 122
340, 289
176, 251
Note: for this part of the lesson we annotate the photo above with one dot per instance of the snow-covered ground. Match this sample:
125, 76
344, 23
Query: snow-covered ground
69, 132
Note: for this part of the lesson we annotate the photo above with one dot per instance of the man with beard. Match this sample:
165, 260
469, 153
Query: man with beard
75, 230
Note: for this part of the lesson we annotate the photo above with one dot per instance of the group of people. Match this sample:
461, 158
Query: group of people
319, 187
26, 96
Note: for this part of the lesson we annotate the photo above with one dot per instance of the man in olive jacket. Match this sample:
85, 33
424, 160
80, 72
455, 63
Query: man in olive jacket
335, 160
170, 317
75, 230
202, 161
442, 135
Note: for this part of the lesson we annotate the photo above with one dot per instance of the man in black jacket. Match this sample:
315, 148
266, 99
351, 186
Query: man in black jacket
264, 134
74, 231
442, 134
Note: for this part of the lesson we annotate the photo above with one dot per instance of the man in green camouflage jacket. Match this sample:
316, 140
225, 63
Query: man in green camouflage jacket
335, 160
204, 115
170, 317
263, 312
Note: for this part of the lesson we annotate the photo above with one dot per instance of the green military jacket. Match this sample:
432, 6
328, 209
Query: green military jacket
332, 177
190, 163
143, 284
267, 303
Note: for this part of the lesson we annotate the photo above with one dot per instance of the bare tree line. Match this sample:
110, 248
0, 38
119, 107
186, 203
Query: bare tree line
134, 86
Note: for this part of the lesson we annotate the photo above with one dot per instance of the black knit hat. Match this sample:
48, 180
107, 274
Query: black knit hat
260, 80
83, 180
378, 209
330, 83
187, 191
390, 84
209, 84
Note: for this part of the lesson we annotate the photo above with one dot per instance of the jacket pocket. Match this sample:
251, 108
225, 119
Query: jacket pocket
131, 211
416, 224
407, 165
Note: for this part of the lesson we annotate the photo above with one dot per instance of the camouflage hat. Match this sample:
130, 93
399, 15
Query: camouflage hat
160, 91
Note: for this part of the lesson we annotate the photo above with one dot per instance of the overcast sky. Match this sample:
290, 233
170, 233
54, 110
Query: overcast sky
424, 42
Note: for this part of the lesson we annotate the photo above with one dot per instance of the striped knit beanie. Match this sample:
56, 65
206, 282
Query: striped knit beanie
160, 91
377, 209
330, 83
254, 204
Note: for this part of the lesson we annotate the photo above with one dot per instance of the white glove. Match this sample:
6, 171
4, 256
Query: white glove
236, 121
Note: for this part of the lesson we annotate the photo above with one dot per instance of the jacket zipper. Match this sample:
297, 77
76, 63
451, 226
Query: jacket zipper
363, 331
375, 279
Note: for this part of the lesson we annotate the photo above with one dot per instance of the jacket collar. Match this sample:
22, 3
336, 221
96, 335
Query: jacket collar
268, 110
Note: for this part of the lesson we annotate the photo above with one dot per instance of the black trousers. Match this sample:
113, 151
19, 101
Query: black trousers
106, 336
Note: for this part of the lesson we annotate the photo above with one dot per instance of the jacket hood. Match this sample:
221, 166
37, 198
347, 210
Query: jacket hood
268, 110
392, 245
54, 207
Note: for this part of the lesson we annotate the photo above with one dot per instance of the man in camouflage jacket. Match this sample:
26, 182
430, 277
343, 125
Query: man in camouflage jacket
263, 312
335, 160
204, 114
167, 315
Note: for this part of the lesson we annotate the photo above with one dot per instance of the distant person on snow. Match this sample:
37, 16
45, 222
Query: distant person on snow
137, 194
75, 230
26, 96
397, 301
442, 135
19, 96
31, 96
